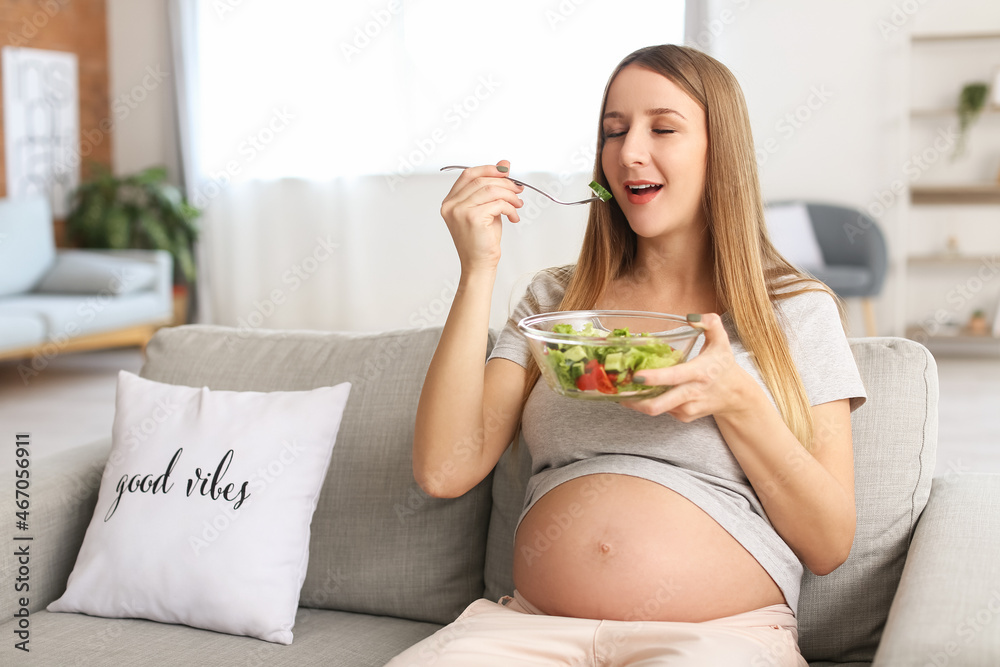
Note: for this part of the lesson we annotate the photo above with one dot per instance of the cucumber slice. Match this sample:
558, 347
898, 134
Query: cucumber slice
600, 191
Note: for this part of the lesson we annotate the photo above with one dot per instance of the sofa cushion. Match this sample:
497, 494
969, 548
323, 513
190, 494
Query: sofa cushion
21, 330
841, 615
67, 316
27, 248
847, 281
322, 637
88, 272
379, 544
230, 480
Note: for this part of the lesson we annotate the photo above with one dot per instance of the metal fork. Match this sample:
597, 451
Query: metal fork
564, 203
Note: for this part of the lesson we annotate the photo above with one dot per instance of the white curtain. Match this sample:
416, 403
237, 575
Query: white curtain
344, 255
182, 16
306, 124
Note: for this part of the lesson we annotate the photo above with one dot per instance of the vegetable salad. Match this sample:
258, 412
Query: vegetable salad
608, 369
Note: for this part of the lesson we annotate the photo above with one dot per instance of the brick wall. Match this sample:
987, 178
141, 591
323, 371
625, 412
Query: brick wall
76, 26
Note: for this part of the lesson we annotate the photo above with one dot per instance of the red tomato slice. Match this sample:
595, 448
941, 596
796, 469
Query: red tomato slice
604, 383
587, 382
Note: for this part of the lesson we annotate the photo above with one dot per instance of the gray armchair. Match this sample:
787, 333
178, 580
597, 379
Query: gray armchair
854, 251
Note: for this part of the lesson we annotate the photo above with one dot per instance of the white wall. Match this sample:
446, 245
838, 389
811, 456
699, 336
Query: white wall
854, 142
145, 132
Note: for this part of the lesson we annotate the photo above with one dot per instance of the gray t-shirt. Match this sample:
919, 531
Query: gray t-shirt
569, 438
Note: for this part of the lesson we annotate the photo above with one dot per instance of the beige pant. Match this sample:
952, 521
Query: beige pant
514, 632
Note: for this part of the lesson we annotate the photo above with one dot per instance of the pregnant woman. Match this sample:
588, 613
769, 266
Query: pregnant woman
684, 520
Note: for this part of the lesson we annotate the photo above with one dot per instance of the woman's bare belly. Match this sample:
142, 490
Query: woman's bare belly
624, 548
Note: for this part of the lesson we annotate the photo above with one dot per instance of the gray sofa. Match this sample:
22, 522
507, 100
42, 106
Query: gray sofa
55, 300
389, 565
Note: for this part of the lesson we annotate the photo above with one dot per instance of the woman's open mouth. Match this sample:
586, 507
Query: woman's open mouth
641, 192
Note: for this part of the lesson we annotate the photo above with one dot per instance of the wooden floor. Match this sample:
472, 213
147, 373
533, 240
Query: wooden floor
71, 401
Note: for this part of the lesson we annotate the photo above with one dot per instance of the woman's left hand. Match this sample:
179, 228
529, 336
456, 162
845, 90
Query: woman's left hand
710, 384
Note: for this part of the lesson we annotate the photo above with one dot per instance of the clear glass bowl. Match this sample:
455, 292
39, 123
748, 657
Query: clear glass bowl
601, 366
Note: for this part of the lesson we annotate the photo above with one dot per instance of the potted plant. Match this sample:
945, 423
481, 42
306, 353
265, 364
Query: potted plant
971, 102
140, 210
977, 323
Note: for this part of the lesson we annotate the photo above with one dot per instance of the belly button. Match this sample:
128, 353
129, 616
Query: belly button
605, 548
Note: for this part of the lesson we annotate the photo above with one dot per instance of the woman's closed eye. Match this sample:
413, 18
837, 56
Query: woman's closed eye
612, 134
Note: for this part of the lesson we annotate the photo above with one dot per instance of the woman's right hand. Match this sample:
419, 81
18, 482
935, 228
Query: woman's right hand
472, 212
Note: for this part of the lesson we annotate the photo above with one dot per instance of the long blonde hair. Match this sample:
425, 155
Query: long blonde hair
748, 270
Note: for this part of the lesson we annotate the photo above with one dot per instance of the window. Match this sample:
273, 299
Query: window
319, 89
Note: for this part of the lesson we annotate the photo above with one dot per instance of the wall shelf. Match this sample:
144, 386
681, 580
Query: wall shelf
953, 111
943, 259
955, 36
929, 100
958, 345
975, 193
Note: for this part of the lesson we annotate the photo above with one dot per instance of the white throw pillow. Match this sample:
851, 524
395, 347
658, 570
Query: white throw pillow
793, 236
83, 272
204, 509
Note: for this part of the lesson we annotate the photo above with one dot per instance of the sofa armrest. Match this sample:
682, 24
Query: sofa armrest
947, 608
62, 494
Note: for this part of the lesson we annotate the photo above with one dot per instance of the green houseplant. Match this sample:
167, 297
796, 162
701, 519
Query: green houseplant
971, 102
140, 210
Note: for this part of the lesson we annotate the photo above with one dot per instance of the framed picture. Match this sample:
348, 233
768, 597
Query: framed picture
41, 124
